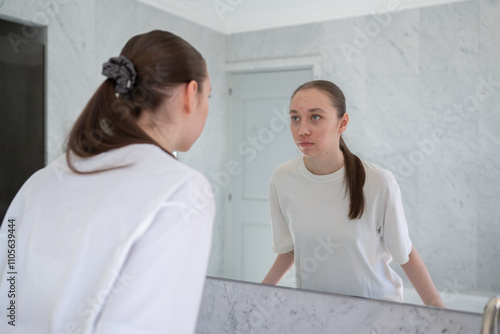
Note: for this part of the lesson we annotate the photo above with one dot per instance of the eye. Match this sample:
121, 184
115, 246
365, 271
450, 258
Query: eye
315, 117
294, 118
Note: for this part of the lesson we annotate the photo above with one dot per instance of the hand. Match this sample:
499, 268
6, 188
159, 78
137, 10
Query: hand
437, 302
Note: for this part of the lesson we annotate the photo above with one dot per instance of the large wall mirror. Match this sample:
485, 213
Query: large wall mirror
422, 83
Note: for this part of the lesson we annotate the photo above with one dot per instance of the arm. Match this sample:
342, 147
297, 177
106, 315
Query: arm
281, 265
419, 276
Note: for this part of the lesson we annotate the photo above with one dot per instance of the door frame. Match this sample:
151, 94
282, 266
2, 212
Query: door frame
265, 65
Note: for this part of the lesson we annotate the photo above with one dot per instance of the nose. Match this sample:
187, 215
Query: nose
303, 129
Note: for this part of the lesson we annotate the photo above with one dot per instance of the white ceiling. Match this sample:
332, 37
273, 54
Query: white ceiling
234, 16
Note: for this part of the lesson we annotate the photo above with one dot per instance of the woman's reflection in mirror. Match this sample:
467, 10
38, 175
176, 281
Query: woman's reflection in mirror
339, 218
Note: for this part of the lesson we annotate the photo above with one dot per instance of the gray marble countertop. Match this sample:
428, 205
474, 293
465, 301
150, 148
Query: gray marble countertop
230, 306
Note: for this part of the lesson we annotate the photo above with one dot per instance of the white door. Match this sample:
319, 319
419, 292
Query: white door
260, 141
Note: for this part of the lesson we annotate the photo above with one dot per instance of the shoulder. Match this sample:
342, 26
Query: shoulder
377, 176
145, 169
162, 165
31, 183
155, 175
286, 169
152, 159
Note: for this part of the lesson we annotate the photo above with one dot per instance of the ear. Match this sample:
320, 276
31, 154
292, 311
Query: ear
191, 96
343, 123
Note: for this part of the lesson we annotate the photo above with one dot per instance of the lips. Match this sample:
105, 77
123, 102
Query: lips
305, 144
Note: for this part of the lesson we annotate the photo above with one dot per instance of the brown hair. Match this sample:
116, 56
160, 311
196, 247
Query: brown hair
354, 171
162, 61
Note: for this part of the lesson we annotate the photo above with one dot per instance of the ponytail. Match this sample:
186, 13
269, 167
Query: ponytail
106, 123
354, 177
354, 180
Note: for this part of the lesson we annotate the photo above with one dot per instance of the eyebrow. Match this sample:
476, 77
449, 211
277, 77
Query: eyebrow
310, 110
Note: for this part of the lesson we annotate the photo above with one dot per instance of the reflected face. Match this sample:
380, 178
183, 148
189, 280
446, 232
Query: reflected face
314, 122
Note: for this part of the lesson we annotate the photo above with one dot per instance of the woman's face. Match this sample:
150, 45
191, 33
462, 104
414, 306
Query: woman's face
314, 123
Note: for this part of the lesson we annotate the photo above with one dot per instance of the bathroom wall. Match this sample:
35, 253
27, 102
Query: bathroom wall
82, 35
237, 307
410, 79
70, 58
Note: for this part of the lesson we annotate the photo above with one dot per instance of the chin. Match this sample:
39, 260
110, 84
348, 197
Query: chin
186, 144
306, 152
184, 148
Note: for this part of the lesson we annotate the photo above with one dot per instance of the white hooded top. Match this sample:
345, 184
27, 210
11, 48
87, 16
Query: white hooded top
120, 251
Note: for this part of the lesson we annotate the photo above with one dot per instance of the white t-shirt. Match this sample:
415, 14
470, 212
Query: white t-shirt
309, 215
122, 251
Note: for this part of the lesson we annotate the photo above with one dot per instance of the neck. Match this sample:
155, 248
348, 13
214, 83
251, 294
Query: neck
326, 163
157, 133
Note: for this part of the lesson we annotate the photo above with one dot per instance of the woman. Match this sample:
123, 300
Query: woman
338, 218
114, 237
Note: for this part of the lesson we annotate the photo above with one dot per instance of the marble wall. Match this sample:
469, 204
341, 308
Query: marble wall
423, 92
237, 307
70, 58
